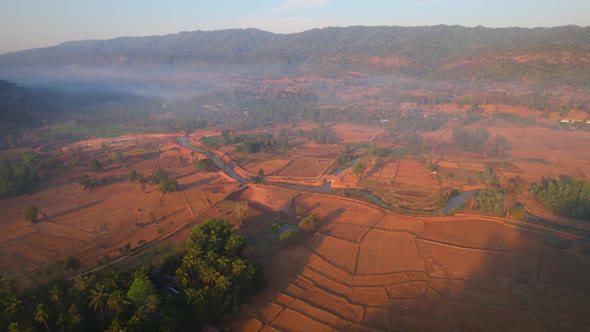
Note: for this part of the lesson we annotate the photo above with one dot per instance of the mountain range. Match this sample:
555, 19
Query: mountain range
556, 55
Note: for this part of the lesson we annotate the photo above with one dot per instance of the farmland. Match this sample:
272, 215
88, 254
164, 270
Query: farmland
362, 276
396, 266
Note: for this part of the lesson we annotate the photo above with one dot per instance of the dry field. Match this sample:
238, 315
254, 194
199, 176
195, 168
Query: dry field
403, 183
93, 223
369, 270
351, 133
303, 166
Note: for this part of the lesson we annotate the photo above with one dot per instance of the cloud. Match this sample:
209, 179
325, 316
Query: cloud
291, 5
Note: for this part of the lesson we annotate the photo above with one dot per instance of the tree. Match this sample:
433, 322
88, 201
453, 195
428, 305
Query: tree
159, 176
287, 236
117, 301
74, 316
204, 165
95, 166
260, 176
275, 228
117, 156
56, 294
98, 298
140, 290
85, 181
12, 305
299, 209
168, 185
72, 263
214, 276
135, 177
511, 190
81, 282
310, 223
241, 209
358, 169
41, 315
30, 213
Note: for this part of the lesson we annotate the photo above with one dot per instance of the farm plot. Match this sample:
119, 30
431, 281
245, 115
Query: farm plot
350, 133
268, 165
383, 174
338, 211
396, 222
414, 274
338, 252
413, 173
266, 197
445, 261
92, 223
305, 167
474, 233
388, 252
345, 232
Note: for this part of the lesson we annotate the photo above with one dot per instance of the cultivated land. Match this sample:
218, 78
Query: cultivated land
366, 267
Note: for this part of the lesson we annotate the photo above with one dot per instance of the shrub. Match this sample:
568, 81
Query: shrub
168, 185
30, 213
287, 237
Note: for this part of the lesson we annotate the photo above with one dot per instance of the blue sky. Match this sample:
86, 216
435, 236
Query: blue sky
38, 23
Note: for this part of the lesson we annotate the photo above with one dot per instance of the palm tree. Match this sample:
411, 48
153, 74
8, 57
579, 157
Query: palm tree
75, 317
115, 326
111, 280
41, 315
81, 282
98, 297
56, 294
151, 303
238, 267
14, 305
224, 264
117, 301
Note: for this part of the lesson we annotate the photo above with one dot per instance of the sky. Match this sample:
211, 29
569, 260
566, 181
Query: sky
26, 24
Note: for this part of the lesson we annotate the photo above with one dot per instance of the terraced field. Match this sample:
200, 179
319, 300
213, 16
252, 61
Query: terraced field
367, 269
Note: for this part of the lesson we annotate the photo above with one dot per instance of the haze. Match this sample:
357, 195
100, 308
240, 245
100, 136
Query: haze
299, 165
28, 24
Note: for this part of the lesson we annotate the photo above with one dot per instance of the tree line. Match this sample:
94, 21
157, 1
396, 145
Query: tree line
203, 285
565, 196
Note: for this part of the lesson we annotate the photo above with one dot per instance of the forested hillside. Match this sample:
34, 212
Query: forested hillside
558, 54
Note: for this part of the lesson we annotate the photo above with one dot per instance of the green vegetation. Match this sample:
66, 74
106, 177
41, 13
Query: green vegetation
72, 263
210, 279
159, 176
287, 236
135, 177
490, 201
214, 276
358, 169
85, 181
309, 223
205, 165
30, 213
19, 174
469, 140
565, 196
497, 199
557, 242
95, 166
168, 185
